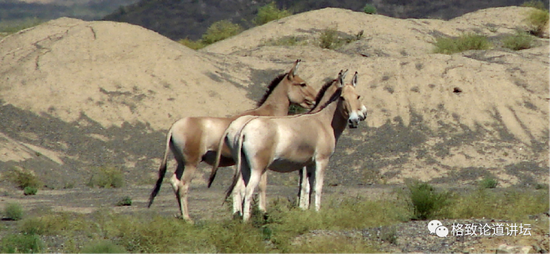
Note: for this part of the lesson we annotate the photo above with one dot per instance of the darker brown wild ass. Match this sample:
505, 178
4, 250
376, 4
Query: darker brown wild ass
195, 139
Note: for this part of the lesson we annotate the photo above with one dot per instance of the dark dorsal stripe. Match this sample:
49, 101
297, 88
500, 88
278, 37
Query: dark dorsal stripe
321, 94
335, 96
271, 87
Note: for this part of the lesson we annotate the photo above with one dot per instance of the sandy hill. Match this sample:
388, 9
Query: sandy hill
78, 95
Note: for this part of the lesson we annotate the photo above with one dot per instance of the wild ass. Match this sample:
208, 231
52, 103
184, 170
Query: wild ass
195, 139
286, 144
323, 96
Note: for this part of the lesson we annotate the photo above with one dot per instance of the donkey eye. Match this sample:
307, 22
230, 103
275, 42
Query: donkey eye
303, 84
358, 97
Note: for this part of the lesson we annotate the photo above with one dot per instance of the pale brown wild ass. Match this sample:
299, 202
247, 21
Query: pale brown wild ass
286, 144
195, 139
323, 96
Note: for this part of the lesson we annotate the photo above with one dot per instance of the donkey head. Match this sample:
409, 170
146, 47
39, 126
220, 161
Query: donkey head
353, 109
299, 92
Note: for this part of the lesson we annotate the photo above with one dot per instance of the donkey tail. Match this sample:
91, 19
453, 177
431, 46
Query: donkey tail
162, 169
218, 158
237, 174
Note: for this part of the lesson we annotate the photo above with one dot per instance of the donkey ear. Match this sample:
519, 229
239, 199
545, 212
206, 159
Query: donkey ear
342, 76
292, 71
354, 80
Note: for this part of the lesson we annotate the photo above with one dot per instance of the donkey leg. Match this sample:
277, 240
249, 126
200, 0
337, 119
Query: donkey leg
184, 190
303, 195
255, 178
262, 187
238, 194
318, 187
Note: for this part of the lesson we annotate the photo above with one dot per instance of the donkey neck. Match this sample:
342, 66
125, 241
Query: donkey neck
332, 115
277, 103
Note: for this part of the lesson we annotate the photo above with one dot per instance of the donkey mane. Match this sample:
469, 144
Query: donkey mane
321, 93
271, 87
333, 98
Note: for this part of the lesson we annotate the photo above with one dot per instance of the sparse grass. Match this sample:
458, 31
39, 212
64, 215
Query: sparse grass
192, 44
425, 201
103, 246
369, 9
330, 38
521, 40
10, 27
464, 42
13, 211
21, 243
220, 30
537, 20
29, 190
106, 177
270, 12
50, 224
511, 204
286, 41
334, 244
22, 178
488, 183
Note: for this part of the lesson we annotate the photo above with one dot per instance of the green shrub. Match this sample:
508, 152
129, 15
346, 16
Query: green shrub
488, 183
104, 246
369, 9
425, 201
22, 178
48, 224
296, 109
29, 190
329, 39
537, 20
268, 13
192, 44
521, 40
13, 211
125, 201
464, 42
534, 4
21, 243
220, 30
106, 177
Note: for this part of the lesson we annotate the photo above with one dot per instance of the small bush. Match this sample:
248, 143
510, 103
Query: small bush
13, 211
21, 243
22, 178
104, 246
125, 201
296, 109
537, 20
465, 42
106, 177
425, 201
48, 224
329, 39
192, 44
269, 13
488, 183
29, 190
333, 244
521, 40
369, 9
220, 30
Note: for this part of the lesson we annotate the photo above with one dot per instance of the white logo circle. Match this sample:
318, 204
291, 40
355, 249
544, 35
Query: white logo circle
433, 225
442, 231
